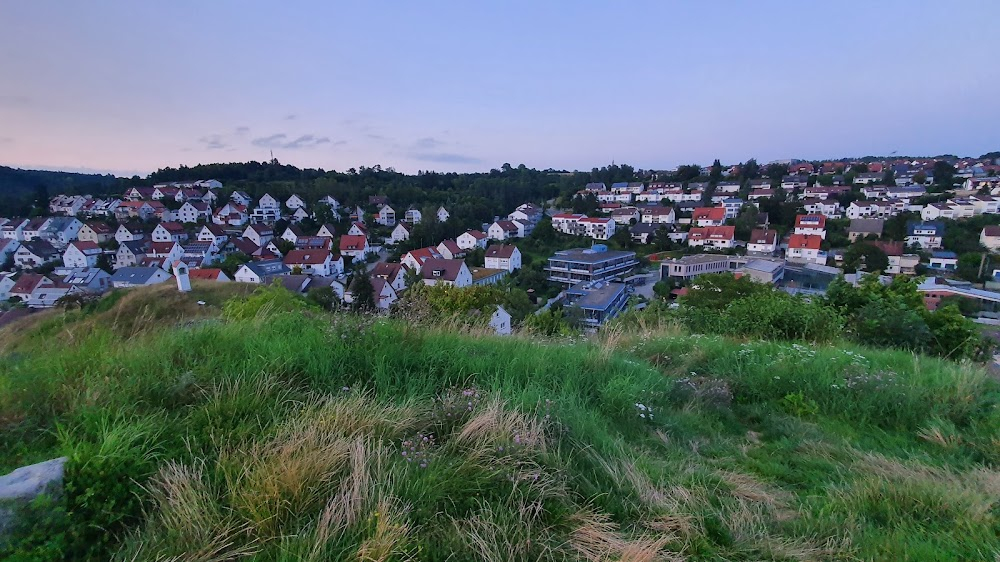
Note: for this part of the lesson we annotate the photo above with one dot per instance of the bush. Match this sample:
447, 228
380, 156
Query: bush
777, 315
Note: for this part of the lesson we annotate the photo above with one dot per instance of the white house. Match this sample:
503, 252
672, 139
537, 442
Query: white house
503, 230
717, 237
990, 237
500, 321
412, 216
139, 276
805, 248
327, 231
811, 225
384, 293
566, 223
260, 234
81, 254
292, 233
386, 216
443, 214
927, 235
401, 233
393, 273
763, 241
313, 262
33, 253
7, 248
597, 228
439, 271
354, 246
260, 272
295, 202
503, 256
658, 215
169, 232
213, 233
194, 212
268, 210
241, 198
472, 239
358, 229
330, 201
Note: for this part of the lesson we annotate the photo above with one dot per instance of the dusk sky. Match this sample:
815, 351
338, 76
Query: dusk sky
129, 87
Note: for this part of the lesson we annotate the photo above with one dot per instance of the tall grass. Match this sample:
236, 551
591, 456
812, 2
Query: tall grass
292, 434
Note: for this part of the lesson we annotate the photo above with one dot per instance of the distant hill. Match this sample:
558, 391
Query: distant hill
19, 189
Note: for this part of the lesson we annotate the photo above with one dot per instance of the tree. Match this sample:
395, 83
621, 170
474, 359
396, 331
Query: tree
865, 256
543, 231
362, 291
889, 177
284, 246
750, 170
714, 291
232, 263
944, 174
776, 171
969, 267
323, 297
662, 289
716, 173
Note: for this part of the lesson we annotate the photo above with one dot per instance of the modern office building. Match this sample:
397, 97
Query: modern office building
599, 301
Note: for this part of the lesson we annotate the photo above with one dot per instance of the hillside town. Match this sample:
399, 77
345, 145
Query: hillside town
616, 245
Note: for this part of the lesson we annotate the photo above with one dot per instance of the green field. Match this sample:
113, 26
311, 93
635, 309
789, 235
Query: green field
267, 430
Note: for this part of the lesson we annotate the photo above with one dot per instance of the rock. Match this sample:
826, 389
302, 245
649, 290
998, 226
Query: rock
29, 481
25, 484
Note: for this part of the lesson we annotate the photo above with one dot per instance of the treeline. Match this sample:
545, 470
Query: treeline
26, 192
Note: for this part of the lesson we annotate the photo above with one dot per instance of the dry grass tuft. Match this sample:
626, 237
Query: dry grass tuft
390, 534
494, 426
360, 414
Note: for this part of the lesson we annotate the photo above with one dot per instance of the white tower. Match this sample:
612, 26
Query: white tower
181, 273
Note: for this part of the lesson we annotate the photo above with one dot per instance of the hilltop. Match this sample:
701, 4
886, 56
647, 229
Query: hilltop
255, 426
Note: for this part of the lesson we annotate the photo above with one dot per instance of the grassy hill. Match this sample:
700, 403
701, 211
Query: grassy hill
259, 428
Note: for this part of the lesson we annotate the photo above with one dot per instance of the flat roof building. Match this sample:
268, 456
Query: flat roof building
589, 264
598, 300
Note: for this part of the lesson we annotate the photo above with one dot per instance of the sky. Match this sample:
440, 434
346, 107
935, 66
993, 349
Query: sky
129, 87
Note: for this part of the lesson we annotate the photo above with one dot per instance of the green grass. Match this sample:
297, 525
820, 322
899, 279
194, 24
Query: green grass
278, 432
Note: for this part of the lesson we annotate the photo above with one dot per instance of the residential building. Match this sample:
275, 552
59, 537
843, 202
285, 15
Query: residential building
811, 225
502, 256
358, 229
415, 259
732, 205
567, 222
169, 232
330, 201
500, 321
241, 198
943, 261
503, 230
207, 274
231, 214
194, 212
401, 233
990, 237
213, 233
472, 239
806, 248
97, 232
626, 215
830, 209
927, 235
763, 241
386, 216
87, 279
129, 253
597, 228
129, 233
295, 202
8, 247
267, 211
658, 215
442, 214
328, 231
261, 272
81, 254
589, 264
33, 253
716, 237
392, 273
385, 294
450, 249
292, 233
354, 246
865, 228
709, 216
139, 276
440, 271
314, 262
259, 233
412, 216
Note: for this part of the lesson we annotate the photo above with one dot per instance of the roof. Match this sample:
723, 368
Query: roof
477, 234
173, 227
590, 255
810, 221
991, 231
40, 248
508, 226
712, 233
596, 220
657, 210
387, 270
201, 273
294, 230
314, 242
890, 248
215, 229
89, 248
162, 247
353, 242
867, 226
440, 268
99, 227
27, 283
480, 273
423, 254
502, 251
569, 216
944, 254
709, 213
262, 229
913, 226
307, 257
404, 225
805, 241
596, 295
762, 236
134, 275
453, 247
265, 268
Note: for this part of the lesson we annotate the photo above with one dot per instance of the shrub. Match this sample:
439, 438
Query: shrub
777, 315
